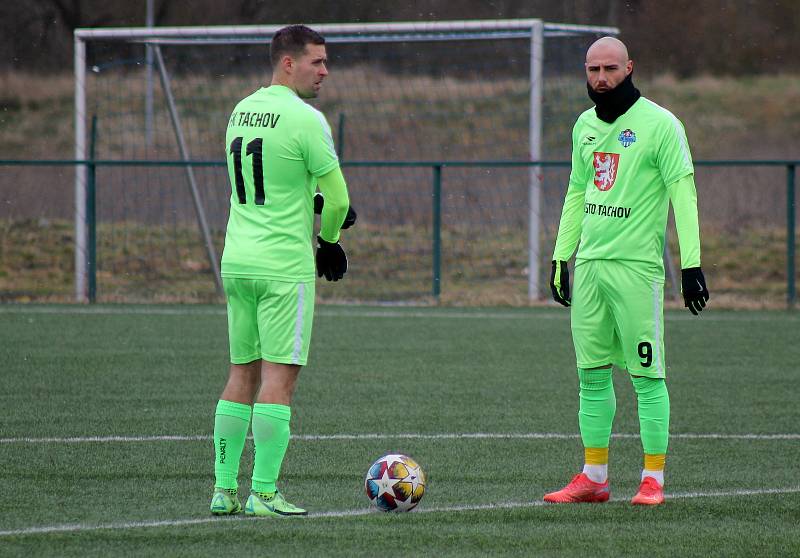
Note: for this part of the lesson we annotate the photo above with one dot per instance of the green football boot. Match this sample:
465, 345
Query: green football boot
225, 502
261, 504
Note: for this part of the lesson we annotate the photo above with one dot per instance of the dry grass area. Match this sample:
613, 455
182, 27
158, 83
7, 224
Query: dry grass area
720, 114
387, 264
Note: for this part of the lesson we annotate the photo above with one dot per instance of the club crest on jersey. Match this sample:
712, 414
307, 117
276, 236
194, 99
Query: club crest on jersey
605, 170
627, 137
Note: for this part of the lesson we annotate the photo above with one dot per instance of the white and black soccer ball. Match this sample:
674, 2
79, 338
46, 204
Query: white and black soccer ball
395, 483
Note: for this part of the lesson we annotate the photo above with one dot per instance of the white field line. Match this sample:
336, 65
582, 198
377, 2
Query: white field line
81, 527
401, 436
320, 311
104, 310
330, 312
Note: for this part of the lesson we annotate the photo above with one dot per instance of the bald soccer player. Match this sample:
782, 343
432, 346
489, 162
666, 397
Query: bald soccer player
279, 149
630, 159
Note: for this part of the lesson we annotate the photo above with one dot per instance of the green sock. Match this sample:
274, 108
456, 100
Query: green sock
271, 437
653, 413
598, 405
230, 430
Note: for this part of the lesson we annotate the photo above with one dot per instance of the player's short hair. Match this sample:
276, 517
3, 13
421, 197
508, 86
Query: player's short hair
292, 40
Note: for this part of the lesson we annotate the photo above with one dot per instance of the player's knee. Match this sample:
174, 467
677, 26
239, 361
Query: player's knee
649, 387
595, 379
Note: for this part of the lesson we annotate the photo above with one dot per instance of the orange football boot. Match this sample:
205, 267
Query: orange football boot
650, 493
580, 489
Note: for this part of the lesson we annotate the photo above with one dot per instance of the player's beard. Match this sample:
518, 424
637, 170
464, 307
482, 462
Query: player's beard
613, 103
311, 92
307, 94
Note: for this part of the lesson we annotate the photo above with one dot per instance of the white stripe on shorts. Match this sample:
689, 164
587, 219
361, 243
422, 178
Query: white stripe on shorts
298, 323
657, 311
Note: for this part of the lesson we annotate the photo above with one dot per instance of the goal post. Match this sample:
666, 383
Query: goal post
453, 83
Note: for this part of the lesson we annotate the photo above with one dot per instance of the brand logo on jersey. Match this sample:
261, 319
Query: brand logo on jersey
627, 137
605, 169
589, 140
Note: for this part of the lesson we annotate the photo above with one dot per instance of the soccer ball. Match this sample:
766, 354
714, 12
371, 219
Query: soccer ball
395, 483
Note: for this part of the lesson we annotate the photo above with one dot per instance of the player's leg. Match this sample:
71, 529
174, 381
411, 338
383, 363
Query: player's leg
598, 405
271, 415
595, 343
653, 407
232, 417
639, 311
286, 313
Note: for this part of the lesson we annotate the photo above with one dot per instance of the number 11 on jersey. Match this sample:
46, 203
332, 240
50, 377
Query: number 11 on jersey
254, 149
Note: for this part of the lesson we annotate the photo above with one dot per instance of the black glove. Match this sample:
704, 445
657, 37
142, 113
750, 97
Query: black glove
331, 260
350, 218
695, 292
559, 283
319, 203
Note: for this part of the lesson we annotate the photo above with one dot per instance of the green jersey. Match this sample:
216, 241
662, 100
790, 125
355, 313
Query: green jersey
620, 174
276, 145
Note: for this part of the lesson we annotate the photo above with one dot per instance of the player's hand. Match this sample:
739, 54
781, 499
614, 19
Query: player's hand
350, 218
331, 260
695, 292
559, 283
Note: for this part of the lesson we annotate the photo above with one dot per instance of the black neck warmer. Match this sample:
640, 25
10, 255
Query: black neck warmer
612, 104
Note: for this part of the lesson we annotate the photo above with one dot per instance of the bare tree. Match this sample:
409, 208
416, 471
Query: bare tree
678, 36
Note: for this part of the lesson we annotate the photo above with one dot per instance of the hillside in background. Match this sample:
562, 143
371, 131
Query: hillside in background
147, 234
725, 118
683, 37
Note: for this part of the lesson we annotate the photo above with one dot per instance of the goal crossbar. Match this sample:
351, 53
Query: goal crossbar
342, 32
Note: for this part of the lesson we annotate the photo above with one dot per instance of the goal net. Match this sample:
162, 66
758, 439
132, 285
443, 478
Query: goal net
399, 98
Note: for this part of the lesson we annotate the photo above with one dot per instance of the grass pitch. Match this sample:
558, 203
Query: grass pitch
484, 399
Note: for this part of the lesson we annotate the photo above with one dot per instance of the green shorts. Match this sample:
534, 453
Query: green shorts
618, 317
269, 320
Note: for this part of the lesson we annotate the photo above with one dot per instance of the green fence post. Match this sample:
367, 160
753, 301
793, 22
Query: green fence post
437, 230
91, 217
340, 134
791, 292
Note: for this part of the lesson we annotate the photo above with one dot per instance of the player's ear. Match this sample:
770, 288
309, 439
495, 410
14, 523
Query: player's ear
287, 63
628, 68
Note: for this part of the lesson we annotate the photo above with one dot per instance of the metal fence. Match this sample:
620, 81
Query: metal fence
467, 223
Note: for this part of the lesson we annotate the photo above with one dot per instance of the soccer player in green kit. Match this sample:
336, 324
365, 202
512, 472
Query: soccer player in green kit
630, 158
279, 149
